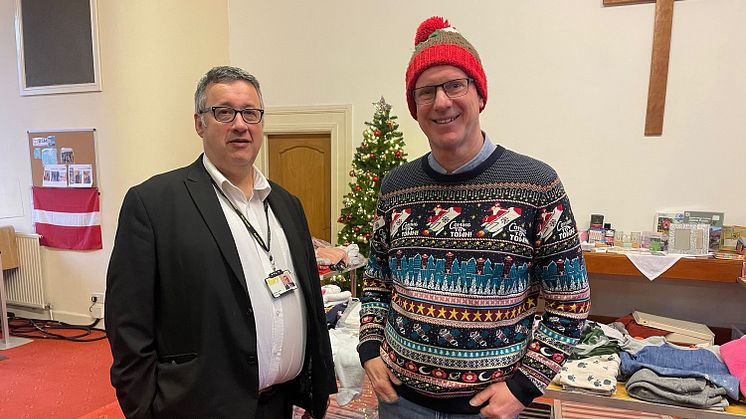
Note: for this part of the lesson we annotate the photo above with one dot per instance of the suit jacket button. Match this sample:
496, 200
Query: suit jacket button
249, 312
251, 359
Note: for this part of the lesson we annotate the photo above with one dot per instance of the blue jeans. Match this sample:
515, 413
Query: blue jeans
404, 409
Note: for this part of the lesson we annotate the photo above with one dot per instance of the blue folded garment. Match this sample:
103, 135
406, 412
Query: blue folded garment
671, 361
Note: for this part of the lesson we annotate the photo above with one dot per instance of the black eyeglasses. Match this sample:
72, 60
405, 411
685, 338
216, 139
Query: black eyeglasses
226, 115
452, 88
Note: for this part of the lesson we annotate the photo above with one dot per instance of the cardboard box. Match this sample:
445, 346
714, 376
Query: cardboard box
712, 218
729, 236
684, 332
663, 221
8, 247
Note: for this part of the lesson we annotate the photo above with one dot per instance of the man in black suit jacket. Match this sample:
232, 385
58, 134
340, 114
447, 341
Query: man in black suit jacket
199, 320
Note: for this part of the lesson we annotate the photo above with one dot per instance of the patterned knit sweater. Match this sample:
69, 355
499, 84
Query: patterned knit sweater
457, 265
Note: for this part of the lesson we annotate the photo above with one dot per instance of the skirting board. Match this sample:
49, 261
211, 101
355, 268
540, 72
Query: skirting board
75, 319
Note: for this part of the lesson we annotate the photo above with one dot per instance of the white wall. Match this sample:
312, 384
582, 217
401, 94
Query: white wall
152, 54
568, 84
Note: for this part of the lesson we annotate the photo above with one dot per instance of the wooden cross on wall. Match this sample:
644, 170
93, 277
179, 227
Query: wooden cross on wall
658, 62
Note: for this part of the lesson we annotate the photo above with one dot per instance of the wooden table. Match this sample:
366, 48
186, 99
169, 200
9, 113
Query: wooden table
710, 269
353, 276
622, 400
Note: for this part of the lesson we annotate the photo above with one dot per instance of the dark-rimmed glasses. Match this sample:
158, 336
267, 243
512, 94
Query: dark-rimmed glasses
453, 88
226, 114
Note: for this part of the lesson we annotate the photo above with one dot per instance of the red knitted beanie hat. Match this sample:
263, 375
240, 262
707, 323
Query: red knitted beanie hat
437, 43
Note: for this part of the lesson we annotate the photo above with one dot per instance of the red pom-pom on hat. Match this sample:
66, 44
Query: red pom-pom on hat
429, 26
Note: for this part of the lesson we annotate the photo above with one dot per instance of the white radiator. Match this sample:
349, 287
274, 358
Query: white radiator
25, 284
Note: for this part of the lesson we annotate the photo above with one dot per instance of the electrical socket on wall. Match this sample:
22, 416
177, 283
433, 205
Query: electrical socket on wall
97, 305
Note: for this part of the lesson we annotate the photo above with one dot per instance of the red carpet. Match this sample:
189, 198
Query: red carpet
365, 407
56, 379
61, 379
110, 411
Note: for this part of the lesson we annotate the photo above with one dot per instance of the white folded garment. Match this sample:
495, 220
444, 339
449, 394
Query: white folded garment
330, 289
346, 365
337, 298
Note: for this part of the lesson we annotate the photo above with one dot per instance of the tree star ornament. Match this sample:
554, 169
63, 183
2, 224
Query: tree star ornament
382, 106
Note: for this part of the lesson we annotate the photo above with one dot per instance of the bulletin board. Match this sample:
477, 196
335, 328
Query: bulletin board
63, 159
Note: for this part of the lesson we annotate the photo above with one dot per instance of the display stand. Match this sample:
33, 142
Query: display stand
708, 270
718, 272
713, 270
353, 276
7, 341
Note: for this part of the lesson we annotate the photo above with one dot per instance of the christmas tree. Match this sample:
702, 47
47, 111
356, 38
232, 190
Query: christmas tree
382, 149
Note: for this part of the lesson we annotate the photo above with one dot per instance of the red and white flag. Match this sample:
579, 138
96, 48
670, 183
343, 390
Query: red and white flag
68, 218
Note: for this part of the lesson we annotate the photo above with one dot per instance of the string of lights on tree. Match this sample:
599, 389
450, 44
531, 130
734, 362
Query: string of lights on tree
381, 150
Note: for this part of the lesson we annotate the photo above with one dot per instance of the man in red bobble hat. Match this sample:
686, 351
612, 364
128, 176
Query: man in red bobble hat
467, 238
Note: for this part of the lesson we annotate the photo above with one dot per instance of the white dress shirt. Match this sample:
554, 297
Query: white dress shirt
280, 322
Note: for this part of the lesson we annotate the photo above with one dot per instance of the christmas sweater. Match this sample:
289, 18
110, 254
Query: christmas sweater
457, 265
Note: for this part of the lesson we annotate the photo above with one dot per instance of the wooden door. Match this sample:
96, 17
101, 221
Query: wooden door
301, 163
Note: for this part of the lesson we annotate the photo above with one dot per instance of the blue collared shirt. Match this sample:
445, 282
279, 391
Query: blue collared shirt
487, 148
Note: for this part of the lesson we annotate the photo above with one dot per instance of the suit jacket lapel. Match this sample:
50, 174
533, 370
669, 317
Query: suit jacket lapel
297, 247
200, 187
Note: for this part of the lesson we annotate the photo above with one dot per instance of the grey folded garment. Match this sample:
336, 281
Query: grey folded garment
646, 385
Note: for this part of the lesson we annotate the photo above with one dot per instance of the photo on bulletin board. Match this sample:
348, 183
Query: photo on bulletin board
80, 176
55, 176
57, 46
63, 159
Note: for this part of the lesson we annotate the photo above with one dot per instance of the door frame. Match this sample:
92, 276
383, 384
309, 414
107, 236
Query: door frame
333, 120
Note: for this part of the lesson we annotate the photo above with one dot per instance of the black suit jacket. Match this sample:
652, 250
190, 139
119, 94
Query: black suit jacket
178, 314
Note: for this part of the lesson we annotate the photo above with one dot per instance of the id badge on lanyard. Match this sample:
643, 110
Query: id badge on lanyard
280, 282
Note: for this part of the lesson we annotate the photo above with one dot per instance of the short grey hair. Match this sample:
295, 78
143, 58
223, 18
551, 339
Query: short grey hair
223, 74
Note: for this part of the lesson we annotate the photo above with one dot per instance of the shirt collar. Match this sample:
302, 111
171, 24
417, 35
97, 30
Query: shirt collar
261, 189
487, 148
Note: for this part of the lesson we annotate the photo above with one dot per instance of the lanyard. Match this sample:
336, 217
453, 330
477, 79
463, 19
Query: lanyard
250, 228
